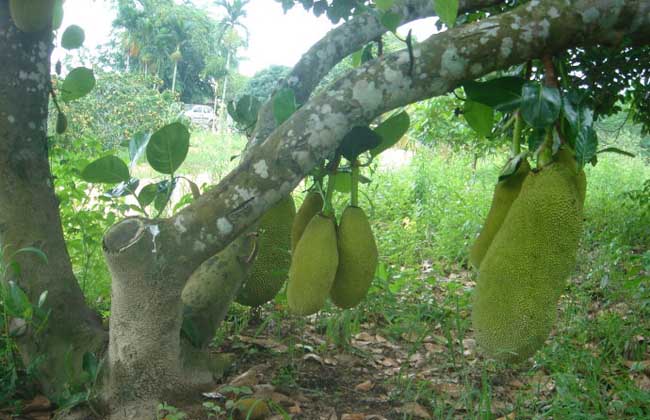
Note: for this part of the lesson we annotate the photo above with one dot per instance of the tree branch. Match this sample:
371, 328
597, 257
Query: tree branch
338, 44
274, 168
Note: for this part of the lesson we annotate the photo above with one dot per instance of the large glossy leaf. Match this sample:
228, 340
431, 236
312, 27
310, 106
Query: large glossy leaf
502, 94
391, 20
168, 147
77, 84
147, 194
284, 105
540, 105
358, 140
73, 37
447, 11
57, 15
106, 170
480, 117
391, 131
384, 5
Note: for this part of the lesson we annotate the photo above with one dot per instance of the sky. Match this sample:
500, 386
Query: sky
274, 37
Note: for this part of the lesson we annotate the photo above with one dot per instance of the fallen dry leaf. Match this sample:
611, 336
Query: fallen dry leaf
510, 416
313, 357
264, 342
39, 403
364, 386
414, 409
355, 416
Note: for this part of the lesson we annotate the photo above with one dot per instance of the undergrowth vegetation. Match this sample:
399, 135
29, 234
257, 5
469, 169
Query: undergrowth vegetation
425, 212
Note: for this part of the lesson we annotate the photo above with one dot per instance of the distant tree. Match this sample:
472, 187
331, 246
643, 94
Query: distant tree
264, 82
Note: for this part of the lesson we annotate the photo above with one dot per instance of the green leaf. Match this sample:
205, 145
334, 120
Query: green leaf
535, 139
617, 151
480, 117
61, 123
284, 105
148, 194
502, 94
358, 140
356, 58
391, 20
168, 147
57, 15
586, 144
447, 11
33, 250
384, 5
540, 105
391, 131
247, 109
137, 145
512, 165
42, 298
73, 37
106, 170
165, 189
17, 303
77, 84
90, 365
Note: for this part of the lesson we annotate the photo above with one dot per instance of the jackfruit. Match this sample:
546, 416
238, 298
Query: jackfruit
271, 265
313, 266
211, 289
357, 259
523, 272
505, 193
31, 15
310, 207
567, 157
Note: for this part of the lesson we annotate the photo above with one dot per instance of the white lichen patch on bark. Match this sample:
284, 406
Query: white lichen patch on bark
198, 246
155, 231
178, 224
590, 15
11, 119
451, 63
367, 94
506, 47
224, 226
261, 169
244, 193
553, 13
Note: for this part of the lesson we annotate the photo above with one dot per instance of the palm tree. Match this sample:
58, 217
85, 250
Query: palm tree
234, 14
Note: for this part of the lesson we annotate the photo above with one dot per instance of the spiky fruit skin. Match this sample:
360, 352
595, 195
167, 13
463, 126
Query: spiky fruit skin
211, 289
31, 15
313, 267
505, 193
357, 259
269, 271
524, 270
310, 207
566, 157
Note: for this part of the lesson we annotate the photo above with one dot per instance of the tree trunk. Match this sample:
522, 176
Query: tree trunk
214, 106
29, 210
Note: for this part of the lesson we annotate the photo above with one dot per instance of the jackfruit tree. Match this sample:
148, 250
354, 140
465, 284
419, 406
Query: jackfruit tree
498, 52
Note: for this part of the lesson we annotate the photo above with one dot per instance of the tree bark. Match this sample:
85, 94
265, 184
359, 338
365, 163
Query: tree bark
29, 210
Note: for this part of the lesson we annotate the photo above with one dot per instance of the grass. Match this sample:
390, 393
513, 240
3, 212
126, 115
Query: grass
425, 215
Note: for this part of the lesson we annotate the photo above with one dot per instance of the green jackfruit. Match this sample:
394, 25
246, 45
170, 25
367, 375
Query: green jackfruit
505, 193
357, 259
270, 268
567, 157
523, 272
31, 15
211, 289
313, 266
310, 207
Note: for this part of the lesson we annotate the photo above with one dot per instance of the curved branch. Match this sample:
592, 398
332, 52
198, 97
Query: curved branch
274, 168
338, 44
